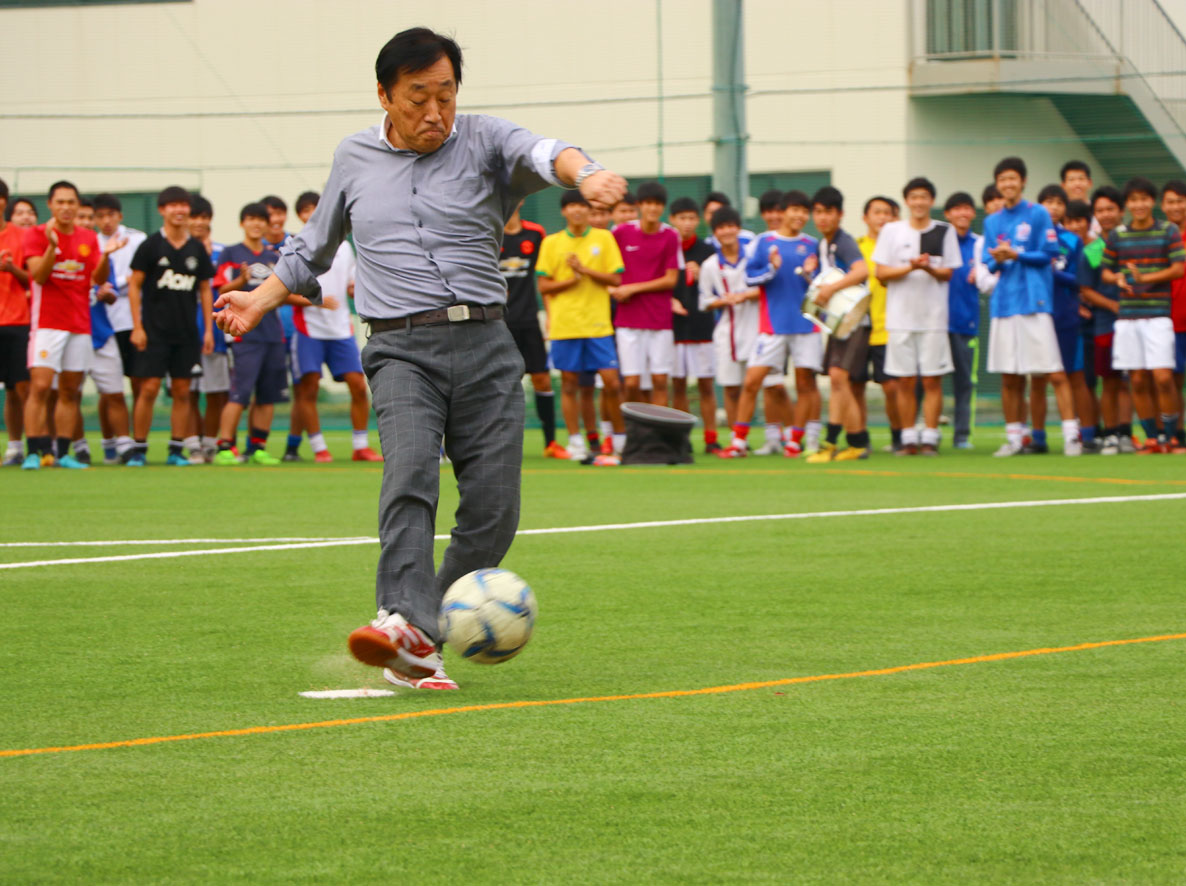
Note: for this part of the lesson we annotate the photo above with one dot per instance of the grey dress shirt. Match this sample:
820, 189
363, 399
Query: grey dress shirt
427, 227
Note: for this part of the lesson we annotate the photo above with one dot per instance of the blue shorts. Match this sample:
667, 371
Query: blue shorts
1179, 352
309, 354
584, 354
260, 369
1070, 347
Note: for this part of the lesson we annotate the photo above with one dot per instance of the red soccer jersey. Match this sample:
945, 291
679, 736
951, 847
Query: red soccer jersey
64, 300
14, 298
1178, 303
647, 257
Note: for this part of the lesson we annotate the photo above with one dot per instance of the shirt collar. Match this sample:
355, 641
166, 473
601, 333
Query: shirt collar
383, 136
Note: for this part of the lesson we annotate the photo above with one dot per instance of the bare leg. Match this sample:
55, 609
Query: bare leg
568, 403
142, 411
708, 403
679, 394
182, 413
808, 406
1038, 402
659, 389
611, 405
732, 395
14, 410
37, 402
1013, 398
360, 406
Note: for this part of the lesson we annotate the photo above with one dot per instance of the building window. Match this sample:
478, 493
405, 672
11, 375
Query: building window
971, 27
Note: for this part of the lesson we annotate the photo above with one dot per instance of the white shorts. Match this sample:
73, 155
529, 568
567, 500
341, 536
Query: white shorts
805, 349
909, 354
645, 351
1144, 343
60, 351
1024, 344
694, 360
216, 374
732, 357
107, 368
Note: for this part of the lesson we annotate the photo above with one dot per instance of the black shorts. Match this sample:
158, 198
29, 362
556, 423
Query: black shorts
127, 351
260, 368
877, 364
162, 358
851, 355
530, 343
14, 355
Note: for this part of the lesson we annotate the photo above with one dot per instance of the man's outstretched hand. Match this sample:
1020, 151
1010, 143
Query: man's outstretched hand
603, 188
238, 312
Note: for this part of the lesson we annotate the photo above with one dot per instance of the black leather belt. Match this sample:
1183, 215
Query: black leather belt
439, 317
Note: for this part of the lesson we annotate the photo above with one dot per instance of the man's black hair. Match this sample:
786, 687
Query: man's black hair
652, 192
1074, 166
574, 196
86, 202
1139, 185
683, 204
959, 198
794, 197
919, 183
1174, 186
253, 210
172, 194
629, 199
108, 201
1107, 192
829, 198
200, 207
3, 189
273, 202
990, 192
718, 197
725, 215
769, 200
308, 198
1078, 209
17, 202
1052, 191
878, 199
1010, 164
415, 50
62, 184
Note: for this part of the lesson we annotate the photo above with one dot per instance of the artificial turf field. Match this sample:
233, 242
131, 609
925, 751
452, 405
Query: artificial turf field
1064, 767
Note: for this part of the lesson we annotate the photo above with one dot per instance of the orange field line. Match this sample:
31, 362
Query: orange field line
509, 705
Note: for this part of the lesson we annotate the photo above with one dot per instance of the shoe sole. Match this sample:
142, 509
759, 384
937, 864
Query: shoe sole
427, 683
373, 647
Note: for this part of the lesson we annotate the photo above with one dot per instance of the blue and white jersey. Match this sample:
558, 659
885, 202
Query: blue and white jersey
1066, 280
1026, 284
745, 239
783, 290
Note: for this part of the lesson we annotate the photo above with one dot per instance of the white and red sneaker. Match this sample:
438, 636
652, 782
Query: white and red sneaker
390, 642
733, 450
439, 680
792, 449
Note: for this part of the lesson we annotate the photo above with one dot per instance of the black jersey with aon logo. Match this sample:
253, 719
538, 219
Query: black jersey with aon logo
169, 297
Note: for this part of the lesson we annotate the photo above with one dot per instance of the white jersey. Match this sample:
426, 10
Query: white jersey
326, 324
737, 325
917, 302
119, 313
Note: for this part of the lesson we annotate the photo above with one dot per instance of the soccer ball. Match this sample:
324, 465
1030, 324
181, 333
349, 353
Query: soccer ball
487, 616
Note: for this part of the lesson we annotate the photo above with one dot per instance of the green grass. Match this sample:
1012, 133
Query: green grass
1054, 769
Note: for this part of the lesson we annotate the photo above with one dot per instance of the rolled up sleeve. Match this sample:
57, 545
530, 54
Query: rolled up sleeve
311, 252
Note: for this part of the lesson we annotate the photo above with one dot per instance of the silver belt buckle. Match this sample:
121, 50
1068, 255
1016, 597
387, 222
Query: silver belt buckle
457, 313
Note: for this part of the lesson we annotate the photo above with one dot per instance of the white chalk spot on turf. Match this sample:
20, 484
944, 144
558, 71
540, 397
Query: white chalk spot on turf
364, 692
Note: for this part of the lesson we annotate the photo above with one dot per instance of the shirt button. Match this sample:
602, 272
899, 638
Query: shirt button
420, 223
413, 190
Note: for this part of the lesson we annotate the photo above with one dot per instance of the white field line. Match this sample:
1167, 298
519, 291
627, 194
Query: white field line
650, 524
164, 541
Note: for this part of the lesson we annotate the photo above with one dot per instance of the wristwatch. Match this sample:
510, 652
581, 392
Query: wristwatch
587, 170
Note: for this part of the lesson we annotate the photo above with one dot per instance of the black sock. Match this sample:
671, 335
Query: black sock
176, 447
896, 436
1125, 428
40, 445
857, 439
834, 433
1180, 435
63, 447
545, 408
226, 445
257, 438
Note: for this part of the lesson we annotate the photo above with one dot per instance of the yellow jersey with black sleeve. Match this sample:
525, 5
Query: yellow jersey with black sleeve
584, 310
879, 335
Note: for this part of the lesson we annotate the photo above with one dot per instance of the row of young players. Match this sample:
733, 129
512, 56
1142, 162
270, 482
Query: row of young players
1059, 300
114, 302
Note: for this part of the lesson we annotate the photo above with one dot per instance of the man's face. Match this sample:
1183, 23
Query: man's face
686, 223
795, 218
576, 214
277, 218
85, 217
24, 216
624, 212
1077, 184
63, 206
1010, 184
826, 218
727, 235
650, 212
710, 207
304, 214
1106, 213
996, 204
599, 217
1078, 226
1174, 207
254, 227
175, 213
421, 106
772, 218
878, 215
919, 202
108, 221
1056, 208
1139, 206
199, 226
961, 217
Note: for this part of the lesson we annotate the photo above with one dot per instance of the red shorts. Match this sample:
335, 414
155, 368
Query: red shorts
1103, 357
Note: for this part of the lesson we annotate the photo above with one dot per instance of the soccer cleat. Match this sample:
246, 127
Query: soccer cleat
136, 460
69, 461
261, 457
47, 460
907, 449
607, 444
390, 642
32, 462
1111, 445
14, 460
288, 456
929, 449
177, 460
712, 448
323, 457
963, 444
1072, 447
439, 680
852, 453
198, 457
1127, 447
366, 454
83, 457
826, 454
607, 461
792, 449
1032, 448
224, 458
1175, 446
770, 447
577, 449
1007, 449
1151, 446
733, 451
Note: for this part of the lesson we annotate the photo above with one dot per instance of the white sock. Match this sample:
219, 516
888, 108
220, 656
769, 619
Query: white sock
607, 428
123, 444
773, 432
910, 436
360, 439
15, 447
619, 441
317, 442
209, 442
1070, 430
192, 443
786, 435
811, 435
107, 443
1014, 431
930, 436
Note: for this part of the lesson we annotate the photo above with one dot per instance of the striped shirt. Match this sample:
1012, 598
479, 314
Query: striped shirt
1153, 249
